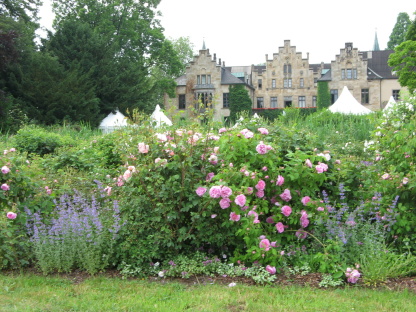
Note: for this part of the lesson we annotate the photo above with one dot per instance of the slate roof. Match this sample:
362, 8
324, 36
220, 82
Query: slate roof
227, 78
378, 67
326, 76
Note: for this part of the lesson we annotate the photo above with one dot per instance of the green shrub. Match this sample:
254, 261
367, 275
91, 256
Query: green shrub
36, 140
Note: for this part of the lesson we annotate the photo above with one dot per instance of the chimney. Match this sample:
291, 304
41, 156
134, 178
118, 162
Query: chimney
307, 55
215, 56
223, 64
219, 61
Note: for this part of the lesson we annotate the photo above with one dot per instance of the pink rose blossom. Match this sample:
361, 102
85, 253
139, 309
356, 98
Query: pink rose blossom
264, 168
305, 200
226, 192
270, 269
240, 200
11, 215
221, 130
215, 191
308, 163
143, 148
5, 187
263, 130
249, 190
320, 209
209, 176
200, 191
225, 203
213, 216
280, 227
301, 234
213, 159
262, 148
304, 221
265, 244
270, 220
280, 180
127, 175
260, 193
286, 210
234, 216
261, 185
385, 176
12, 149
352, 275
286, 195
321, 167
405, 180
216, 149
247, 133
5, 170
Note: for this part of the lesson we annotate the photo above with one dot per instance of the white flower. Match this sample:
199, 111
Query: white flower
232, 284
161, 274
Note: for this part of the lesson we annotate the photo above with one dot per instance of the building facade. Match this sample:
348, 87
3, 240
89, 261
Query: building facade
286, 80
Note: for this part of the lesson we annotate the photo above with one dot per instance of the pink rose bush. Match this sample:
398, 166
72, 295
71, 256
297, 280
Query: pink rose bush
352, 275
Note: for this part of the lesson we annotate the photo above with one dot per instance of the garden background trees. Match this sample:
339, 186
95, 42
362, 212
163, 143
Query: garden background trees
403, 60
398, 34
102, 56
324, 97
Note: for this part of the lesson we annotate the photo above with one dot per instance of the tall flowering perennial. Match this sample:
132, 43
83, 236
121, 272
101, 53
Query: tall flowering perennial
80, 235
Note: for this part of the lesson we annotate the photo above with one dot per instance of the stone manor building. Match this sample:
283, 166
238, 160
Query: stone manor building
286, 80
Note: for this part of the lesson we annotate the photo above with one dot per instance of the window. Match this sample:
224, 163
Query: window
396, 95
203, 79
365, 98
287, 69
349, 73
288, 101
301, 82
302, 101
274, 83
198, 79
225, 100
273, 102
314, 101
260, 83
260, 102
182, 101
287, 83
334, 95
202, 98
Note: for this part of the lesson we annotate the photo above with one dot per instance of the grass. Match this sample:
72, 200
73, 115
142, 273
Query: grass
29, 292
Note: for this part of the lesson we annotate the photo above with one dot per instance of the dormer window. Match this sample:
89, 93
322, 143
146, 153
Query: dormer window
203, 79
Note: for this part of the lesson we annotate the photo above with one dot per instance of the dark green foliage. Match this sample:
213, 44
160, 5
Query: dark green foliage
411, 32
324, 97
239, 101
398, 34
403, 61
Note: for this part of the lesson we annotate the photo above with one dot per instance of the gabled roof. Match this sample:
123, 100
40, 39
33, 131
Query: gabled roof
227, 78
326, 77
377, 63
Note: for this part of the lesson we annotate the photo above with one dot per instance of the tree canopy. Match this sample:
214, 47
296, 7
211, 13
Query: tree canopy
104, 55
239, 101
398, 35
403, 61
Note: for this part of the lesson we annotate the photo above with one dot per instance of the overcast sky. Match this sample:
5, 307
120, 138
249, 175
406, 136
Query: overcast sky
243, 32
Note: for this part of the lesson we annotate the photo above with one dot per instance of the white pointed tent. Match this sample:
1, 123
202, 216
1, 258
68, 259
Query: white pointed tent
113, 122
160, 118
389, 104
347, 104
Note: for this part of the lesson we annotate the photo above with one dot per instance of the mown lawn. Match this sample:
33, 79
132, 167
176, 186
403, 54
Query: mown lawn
30, 292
